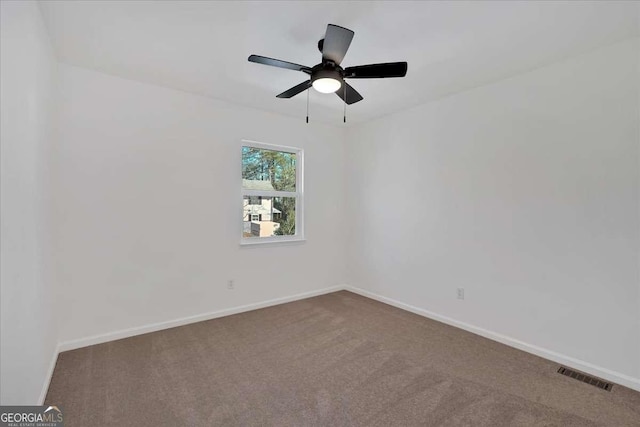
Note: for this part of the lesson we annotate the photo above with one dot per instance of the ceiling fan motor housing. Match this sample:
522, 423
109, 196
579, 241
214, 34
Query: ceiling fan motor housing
326, 71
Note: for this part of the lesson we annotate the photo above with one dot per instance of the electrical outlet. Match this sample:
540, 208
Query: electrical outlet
460, 293
231, 284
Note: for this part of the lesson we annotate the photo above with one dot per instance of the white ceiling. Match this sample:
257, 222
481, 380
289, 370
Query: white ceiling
202, 47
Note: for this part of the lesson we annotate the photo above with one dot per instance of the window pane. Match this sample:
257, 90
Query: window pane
273, 216
268, 170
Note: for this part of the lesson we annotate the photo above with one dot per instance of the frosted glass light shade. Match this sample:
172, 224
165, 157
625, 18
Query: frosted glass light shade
326, 85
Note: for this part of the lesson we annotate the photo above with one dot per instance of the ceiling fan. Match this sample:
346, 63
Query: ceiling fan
328, 76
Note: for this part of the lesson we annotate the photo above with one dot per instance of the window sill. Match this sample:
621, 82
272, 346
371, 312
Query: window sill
256, 241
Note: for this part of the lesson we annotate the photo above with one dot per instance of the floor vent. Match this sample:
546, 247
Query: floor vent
585, 378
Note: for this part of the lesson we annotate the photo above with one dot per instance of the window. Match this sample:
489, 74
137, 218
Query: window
271, 193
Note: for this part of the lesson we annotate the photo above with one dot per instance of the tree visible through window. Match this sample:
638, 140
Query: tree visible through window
271, 189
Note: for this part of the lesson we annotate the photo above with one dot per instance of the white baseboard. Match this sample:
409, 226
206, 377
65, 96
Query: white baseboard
616, 377
47, 380
139, 330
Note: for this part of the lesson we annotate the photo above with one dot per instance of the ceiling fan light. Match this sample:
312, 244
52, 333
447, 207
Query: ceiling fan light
326, 85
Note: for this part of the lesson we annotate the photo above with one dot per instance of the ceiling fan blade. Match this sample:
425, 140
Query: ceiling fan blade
295, 90
376, 71
278, 63
336, 42
352, 95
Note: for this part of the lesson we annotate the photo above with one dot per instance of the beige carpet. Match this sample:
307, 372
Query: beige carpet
333, 360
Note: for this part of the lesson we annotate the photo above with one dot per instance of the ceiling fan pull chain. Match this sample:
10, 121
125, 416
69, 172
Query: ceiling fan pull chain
307, 105
344, 117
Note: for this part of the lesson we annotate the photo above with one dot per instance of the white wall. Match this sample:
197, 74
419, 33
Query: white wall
27, 87
525, 193
148, 210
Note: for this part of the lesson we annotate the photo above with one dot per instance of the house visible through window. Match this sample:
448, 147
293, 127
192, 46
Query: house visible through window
271, 193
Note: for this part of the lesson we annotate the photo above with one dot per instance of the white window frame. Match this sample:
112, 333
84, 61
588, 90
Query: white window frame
298, 195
